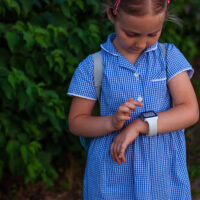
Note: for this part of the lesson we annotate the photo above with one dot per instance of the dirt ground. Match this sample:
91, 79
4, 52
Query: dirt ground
18, 191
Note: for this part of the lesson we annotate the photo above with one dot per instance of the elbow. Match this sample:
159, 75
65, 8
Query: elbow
196, 115
71, 126
72, 129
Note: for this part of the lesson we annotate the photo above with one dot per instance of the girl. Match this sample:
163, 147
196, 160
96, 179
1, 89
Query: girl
138, 146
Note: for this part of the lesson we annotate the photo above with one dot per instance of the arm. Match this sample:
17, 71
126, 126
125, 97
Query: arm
184, 114
82, 123
185, 111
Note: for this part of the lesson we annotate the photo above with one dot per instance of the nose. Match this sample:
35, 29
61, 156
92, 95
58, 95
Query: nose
142, 43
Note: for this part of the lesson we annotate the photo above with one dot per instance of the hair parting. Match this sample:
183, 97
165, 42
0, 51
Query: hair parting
137, 7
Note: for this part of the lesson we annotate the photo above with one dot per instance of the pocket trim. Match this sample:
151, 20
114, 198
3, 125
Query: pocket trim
160, 79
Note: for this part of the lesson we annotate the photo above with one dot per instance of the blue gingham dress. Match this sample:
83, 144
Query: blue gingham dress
155, 167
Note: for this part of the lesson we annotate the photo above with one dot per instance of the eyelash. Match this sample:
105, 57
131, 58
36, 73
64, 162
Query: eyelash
136, 35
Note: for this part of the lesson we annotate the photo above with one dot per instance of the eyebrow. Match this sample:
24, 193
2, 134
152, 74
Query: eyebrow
131, 32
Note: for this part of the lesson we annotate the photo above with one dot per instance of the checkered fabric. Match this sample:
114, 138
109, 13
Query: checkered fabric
155, 167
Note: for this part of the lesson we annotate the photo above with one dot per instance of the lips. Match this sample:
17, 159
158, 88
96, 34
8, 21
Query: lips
133, 49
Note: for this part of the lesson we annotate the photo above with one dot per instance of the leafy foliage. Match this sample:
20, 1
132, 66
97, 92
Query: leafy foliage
42, 42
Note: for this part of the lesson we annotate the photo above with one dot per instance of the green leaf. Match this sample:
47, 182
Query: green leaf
54, 120
29, 38
25, 153
22, 100
80, 4
23, 138
13, 40
3, 28
8, 90
27, 5
48, 182
49, 176
45, 158
50, 60
60, 112
13, 147
42, 41
19, 26
65, 10
12, 80
61, 63
13, 5
31, 91
34, 147
35, 169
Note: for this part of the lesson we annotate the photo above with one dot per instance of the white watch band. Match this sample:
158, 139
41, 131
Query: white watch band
152, 121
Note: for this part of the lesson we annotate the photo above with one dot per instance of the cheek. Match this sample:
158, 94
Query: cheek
126, 42
153, 40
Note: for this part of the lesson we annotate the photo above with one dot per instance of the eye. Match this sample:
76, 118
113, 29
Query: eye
132, 34
152, 35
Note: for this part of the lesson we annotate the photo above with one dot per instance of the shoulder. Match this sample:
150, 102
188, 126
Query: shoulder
170, 47
86, 64
176, 61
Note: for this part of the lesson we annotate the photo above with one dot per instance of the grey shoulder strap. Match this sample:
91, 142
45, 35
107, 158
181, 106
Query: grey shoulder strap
98, 72
165, 55
163, 49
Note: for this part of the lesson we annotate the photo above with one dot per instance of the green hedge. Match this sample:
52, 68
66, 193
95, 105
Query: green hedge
42, 42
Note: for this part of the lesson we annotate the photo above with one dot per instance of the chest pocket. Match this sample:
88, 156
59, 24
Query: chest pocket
157, 91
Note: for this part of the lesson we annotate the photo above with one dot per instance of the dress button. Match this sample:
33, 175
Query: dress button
136, 74
140, 99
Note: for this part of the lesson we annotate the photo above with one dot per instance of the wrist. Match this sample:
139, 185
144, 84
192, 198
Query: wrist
109, 124
141, 126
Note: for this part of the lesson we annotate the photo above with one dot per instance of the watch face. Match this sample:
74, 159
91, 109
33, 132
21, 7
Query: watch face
149, 114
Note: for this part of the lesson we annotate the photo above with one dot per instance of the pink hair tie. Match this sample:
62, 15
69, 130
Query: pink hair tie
168, 1
116, 5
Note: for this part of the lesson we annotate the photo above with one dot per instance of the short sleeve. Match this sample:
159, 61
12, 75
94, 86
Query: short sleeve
176, 63
82, 83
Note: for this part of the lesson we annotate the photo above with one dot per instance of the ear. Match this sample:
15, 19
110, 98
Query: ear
110, 15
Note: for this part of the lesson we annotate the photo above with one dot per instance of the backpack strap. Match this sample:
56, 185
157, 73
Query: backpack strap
98, 72
165, 55
164, 50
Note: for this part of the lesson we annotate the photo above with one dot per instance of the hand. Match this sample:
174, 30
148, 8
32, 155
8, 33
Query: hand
123, 139
123, 113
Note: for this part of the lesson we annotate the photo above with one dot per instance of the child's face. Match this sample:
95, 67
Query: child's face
135, 34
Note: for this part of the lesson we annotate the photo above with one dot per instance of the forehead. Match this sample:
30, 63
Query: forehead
142, 24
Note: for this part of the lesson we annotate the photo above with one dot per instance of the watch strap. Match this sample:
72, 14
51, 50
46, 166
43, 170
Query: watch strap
152, 125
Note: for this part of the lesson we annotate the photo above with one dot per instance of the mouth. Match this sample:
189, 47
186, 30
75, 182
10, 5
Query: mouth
136, 50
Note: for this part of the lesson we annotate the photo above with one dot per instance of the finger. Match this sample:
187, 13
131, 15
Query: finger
124, 109
116, 155
121, 155
111, 151
136, 103
118, 152
130, 105
123, 118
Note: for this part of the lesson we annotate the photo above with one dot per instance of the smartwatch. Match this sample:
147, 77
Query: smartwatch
151, 118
